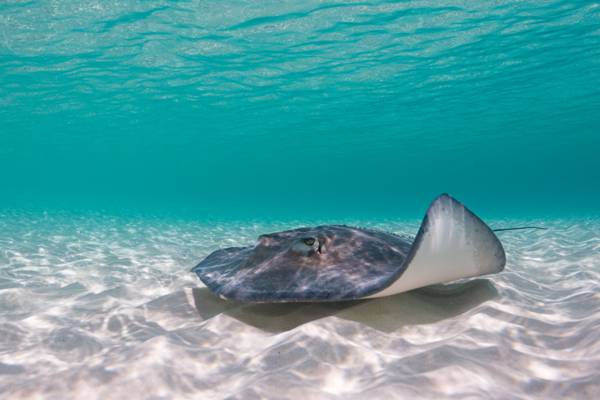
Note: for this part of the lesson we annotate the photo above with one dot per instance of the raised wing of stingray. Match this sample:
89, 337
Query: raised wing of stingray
336, 262
452, 243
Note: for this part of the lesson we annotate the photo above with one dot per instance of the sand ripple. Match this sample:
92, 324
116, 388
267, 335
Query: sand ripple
97, 307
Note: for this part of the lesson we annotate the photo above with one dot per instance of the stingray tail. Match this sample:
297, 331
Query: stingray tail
518, 228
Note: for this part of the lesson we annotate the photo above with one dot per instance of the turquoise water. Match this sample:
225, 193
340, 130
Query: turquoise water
284, 109
137, 137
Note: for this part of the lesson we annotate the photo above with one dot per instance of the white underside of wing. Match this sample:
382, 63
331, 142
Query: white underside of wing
453, 243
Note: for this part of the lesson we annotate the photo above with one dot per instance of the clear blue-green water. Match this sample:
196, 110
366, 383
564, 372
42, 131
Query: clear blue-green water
292, 109
136, 137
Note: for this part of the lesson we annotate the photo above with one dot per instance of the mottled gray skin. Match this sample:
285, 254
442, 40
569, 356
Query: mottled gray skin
323, 263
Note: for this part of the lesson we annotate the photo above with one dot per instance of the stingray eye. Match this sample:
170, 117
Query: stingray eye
308, 241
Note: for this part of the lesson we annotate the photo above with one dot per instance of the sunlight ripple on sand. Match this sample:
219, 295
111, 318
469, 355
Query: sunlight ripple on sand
99, 307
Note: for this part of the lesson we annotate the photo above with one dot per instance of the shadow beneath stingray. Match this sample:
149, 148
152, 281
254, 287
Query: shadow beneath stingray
386, 314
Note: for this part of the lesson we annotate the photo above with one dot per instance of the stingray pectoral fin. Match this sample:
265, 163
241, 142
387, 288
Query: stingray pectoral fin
452, 243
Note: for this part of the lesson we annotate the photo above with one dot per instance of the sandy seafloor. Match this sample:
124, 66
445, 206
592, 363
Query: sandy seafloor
101, 307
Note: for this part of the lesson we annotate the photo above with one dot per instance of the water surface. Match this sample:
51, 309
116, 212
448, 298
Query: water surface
296, 109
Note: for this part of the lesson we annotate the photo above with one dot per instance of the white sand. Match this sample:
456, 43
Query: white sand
106, 308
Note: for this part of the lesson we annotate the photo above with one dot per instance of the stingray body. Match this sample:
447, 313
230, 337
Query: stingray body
338, 262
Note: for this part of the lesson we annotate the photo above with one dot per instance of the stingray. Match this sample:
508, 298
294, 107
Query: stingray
339, 262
